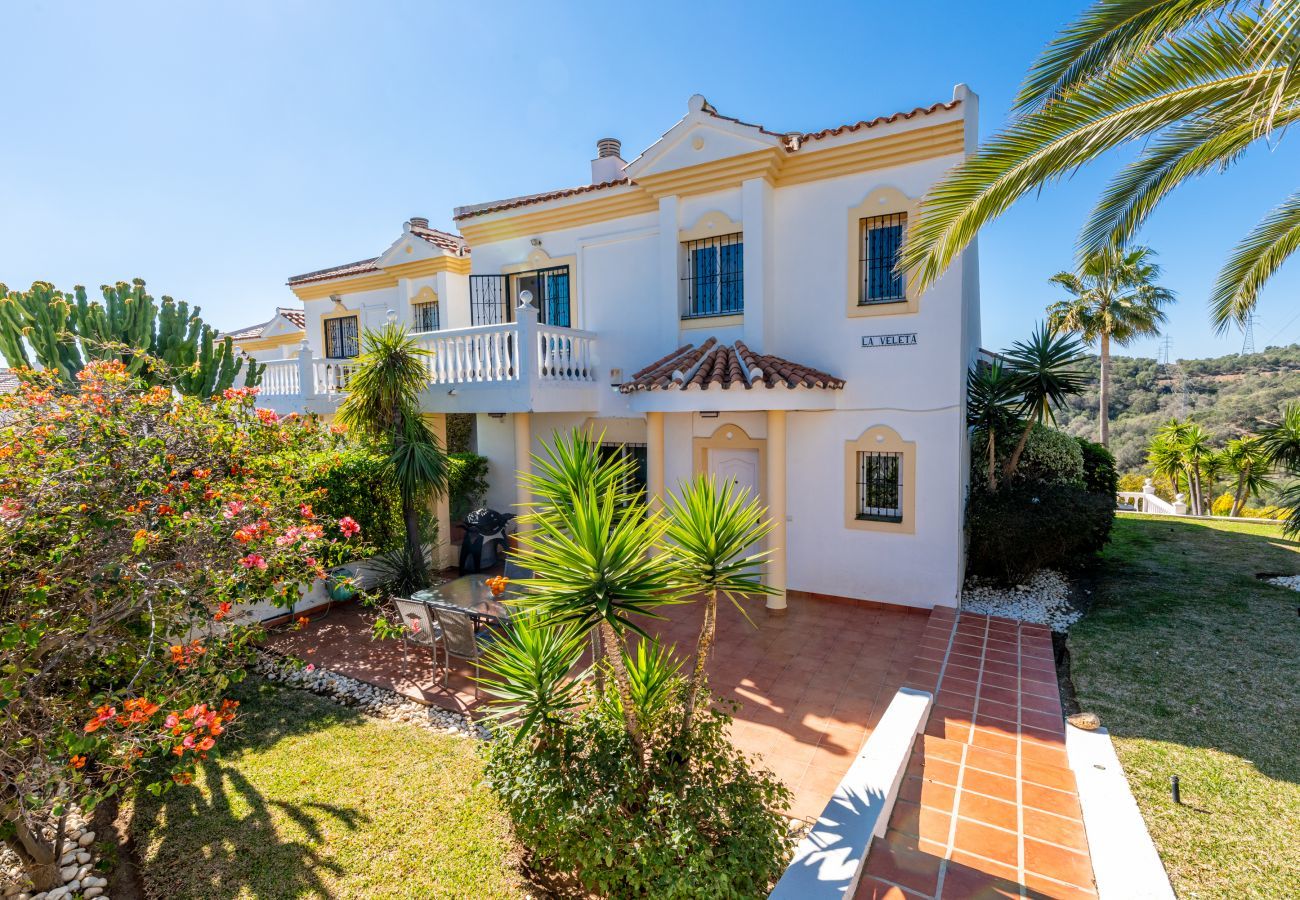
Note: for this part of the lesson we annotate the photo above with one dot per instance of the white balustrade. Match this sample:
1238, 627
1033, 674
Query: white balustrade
1144, 502
280, 378
484, 353
332, 376
565, 355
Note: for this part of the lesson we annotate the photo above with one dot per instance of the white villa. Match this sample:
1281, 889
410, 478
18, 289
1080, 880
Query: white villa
726, 302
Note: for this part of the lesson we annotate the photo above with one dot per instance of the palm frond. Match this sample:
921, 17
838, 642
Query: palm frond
1263, 251
1108, 33
530, 673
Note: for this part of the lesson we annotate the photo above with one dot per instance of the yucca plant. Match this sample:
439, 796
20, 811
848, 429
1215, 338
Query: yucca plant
1247, 461
713, 528
383, 405
993, 407
1194, 82
1046, 371
653, 674
592, 551
530, 674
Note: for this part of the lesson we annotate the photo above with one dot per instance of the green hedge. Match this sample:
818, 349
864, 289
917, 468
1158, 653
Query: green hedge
466, 483
356, 483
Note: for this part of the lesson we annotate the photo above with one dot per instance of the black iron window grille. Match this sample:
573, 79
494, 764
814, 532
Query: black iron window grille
714, 276
342, 338
880, 487
424, 316
487, 300
492, 298
639, 476
882, 238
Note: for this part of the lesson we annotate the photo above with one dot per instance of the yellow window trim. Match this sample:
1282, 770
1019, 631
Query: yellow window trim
882, 201
880, 439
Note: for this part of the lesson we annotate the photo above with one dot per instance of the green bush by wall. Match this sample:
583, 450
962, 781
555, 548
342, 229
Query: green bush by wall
466, 483
356, 483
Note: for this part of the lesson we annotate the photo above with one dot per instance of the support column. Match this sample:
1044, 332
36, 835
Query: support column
776, 478
441, 505
523, 458
654, 457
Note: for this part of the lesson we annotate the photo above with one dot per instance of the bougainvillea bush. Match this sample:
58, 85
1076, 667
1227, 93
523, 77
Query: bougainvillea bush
133, 523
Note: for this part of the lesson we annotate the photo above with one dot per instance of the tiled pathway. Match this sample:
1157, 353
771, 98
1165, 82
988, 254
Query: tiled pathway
988, 807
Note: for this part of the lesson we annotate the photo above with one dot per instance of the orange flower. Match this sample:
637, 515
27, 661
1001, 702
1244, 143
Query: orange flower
78, 762
206, 744
223, 610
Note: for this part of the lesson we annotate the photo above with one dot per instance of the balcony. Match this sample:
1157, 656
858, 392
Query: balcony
519, 366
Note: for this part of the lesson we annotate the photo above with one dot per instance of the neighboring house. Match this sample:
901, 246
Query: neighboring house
725, 303
280, 338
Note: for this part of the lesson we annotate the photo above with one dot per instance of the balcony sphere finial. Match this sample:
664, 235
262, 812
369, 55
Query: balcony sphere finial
525, 299
392, 317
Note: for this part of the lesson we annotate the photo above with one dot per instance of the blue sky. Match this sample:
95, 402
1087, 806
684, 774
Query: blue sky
215, 149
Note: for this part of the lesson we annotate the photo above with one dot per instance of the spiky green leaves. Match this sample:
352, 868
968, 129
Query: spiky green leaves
531, 673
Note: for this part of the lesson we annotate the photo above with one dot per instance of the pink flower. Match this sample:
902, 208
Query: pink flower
253, 561
288, 537
267, 417
311, 667
9, 508
349, 526
233, 508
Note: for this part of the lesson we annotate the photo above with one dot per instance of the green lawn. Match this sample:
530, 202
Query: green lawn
314, 800
1194, 666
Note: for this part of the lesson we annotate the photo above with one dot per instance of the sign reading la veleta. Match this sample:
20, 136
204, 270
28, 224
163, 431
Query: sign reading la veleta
889, 340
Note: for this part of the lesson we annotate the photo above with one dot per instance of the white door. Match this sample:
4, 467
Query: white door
737, 466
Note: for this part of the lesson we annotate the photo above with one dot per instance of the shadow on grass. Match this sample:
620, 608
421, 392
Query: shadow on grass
223, 840
1185, 645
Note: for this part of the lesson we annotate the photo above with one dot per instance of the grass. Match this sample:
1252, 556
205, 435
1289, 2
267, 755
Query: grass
1193, 665
314, 800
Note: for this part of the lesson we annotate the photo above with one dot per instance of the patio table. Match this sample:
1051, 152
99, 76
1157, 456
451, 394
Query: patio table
471, 593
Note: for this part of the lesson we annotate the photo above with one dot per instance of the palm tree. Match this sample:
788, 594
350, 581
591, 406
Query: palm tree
1194, 83
1165, 457
1046, 371
710, 530
383, 405
1113, 297
1246, 459
1184, 448
993, 404
1280, 440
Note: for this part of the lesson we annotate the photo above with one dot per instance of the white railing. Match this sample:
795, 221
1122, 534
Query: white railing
1146, 501
332, 376
565, 355
280, 378
478, 354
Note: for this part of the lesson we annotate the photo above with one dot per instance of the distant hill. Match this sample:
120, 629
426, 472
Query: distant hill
1228, 395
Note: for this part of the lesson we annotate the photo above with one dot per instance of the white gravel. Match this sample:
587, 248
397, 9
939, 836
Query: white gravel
1286, 581
77, 873
1044, 598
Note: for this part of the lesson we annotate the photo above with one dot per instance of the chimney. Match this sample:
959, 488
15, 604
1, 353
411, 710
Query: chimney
419, 222
608, 165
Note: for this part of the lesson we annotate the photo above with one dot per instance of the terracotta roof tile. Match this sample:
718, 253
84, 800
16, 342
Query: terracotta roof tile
359, 267
444, 240
468, 212
879, 120
725, 366
296, 316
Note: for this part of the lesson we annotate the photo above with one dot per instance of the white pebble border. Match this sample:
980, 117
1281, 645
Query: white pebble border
1044, 599
370, 699
77, 875
1286, 581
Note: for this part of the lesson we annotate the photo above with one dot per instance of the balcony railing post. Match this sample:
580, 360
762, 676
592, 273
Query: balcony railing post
526, 348
306, 372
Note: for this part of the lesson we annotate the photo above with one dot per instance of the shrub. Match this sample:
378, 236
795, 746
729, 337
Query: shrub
1026, 526
583, 806
460, 432
1222, 505
355, 482
1050, 456
1099, 474
466, 483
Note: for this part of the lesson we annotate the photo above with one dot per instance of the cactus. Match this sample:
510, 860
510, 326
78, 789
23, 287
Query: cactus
159, 343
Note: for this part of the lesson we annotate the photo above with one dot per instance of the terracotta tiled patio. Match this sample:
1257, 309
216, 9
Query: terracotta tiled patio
988, 807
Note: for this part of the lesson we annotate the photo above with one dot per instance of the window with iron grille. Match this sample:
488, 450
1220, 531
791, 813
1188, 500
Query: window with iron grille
493, 298
638, 477
424, 316
342, 338
880, 486
715, 276
487, 300
881, 240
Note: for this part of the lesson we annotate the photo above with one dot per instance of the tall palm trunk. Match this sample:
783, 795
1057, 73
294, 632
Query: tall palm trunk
1103, 401
623, 684
703, 646
993, 459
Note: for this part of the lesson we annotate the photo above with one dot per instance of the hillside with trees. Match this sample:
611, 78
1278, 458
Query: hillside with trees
1227, 395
